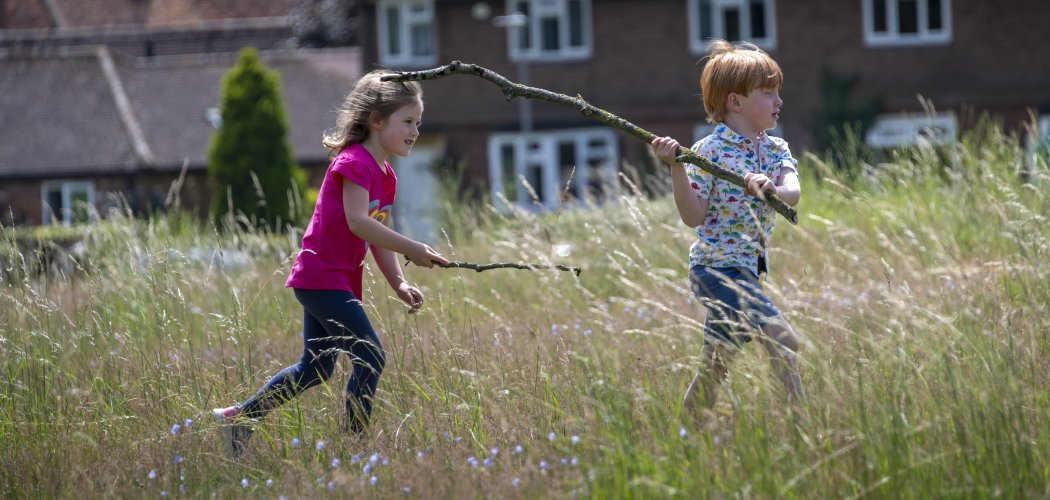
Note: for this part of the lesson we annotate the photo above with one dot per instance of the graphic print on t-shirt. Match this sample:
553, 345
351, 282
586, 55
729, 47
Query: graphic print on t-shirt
379, 214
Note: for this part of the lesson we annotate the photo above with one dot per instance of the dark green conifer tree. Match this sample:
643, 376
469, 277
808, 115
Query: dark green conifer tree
250, 159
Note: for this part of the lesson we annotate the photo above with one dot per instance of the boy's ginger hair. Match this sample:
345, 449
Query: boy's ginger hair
735, 69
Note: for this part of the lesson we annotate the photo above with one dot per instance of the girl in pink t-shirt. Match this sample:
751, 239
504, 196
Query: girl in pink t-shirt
378, 119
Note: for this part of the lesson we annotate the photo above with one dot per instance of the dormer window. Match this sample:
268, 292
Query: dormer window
406, 33
907, 22
733, 20
554, 30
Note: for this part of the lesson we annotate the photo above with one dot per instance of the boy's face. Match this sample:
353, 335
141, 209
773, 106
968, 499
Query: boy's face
758, 111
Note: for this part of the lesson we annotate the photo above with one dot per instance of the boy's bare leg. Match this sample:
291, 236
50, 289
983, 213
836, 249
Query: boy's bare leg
782, 344
702, 393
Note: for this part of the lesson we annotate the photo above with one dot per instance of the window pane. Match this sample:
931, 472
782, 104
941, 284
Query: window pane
575, 23
524, 33
705, 19
81, 212
566, 163
421, 38
549, 34
534, 175
54, 202
510, 177
731, 21
936, 23
908, 16
878, 11
758, 19
597, 180
393, 30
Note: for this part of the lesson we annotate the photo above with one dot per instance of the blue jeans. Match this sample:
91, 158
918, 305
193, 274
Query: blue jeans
334, 322
735, 303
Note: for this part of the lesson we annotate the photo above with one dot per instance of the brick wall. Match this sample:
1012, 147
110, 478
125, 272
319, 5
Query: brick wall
642, 69
23, 14
993, 62
21, 204
647, 76
20, 200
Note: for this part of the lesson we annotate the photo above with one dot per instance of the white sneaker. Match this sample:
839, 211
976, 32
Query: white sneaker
233, 430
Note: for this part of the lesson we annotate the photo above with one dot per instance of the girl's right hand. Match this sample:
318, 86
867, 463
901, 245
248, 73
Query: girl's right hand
424, 256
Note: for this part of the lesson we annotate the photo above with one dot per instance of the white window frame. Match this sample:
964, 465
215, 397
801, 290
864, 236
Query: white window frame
892, 37
538, 11
411, 13
698, 41
68, 189
540, 150
906, 130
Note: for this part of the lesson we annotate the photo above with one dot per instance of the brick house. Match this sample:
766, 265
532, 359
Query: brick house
113, 115
639, 60
107, 99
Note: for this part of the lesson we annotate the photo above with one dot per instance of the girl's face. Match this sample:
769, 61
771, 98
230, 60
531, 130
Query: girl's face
758, 111
398, 132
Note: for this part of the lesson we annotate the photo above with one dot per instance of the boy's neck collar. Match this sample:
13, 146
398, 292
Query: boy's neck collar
726, 132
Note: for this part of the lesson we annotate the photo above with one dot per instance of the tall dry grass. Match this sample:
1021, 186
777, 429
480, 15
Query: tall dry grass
920, 289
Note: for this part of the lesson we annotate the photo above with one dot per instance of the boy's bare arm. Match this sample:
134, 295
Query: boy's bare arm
691, 208
789, 190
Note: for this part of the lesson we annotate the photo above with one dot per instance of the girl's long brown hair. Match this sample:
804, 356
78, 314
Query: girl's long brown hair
370, 95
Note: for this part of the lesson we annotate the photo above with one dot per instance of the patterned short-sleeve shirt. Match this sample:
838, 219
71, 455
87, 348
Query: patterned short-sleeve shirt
737, 225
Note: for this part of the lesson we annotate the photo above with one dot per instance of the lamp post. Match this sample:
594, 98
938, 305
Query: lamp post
519, 24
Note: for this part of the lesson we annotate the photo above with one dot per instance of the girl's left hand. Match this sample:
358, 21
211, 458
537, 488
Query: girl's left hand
411, 296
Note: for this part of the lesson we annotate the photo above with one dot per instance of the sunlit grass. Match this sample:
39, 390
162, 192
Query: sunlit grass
920, 291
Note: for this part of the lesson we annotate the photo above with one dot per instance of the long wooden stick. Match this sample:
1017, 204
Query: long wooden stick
511, 265
512, 90
503, 265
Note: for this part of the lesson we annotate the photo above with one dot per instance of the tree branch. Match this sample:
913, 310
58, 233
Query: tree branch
512, 265
503, 265
512, 90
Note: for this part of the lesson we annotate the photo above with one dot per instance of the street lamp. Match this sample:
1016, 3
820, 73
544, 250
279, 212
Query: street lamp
519, 24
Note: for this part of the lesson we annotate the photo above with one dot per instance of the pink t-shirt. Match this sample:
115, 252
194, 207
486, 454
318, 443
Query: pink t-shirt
332, 257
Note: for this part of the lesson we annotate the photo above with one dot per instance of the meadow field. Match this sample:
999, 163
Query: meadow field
920, 287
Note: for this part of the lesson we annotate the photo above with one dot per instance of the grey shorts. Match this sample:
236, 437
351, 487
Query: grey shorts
735, 302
